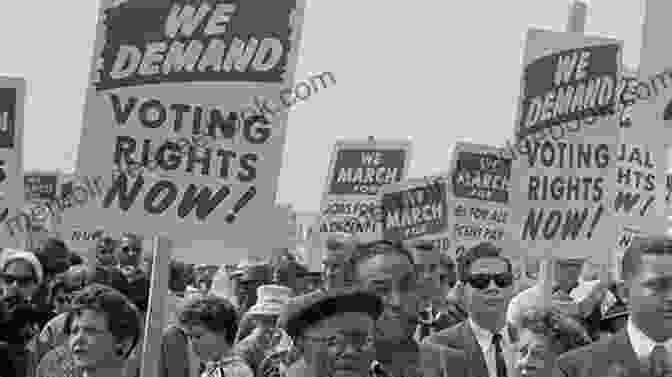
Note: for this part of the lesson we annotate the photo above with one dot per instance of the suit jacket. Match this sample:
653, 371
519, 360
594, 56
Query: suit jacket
610, 357
461, 337
434, 361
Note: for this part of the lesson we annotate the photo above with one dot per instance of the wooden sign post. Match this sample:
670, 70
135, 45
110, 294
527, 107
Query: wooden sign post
155, 318
576, 23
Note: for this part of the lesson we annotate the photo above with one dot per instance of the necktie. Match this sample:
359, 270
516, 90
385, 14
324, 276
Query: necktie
658, 361
499, 355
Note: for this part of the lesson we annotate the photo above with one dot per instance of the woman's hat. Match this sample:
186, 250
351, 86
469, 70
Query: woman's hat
271, 300
10, 255
304, 311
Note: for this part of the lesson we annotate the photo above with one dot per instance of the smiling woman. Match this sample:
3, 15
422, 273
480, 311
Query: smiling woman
541, 336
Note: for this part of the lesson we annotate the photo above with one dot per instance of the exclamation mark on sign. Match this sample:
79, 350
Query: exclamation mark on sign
596, 219
242, 202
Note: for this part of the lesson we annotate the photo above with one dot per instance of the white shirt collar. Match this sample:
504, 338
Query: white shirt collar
641, 343
484, 336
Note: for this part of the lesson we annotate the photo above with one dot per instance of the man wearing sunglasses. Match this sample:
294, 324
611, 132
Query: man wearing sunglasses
487, 287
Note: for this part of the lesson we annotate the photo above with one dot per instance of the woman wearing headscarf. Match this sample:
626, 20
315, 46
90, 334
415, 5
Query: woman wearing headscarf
264, 337
540, 336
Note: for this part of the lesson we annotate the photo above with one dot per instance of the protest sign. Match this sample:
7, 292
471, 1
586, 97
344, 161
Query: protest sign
414, 208
357, 171
642, 159
12, 97
569, 129
41, 186
479, 199
169, 119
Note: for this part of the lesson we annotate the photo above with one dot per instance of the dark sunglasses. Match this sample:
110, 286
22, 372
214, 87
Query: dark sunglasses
482, 281
21, 280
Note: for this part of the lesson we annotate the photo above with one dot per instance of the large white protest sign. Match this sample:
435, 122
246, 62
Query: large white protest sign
642, 156
170, 121
12, 97
480, 196
568, 127
357, 171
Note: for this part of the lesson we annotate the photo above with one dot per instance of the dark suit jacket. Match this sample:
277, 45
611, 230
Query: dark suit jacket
611, 357
461, 337
438, 358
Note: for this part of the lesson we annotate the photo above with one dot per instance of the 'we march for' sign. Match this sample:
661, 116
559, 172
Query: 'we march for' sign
479, 204
414, 208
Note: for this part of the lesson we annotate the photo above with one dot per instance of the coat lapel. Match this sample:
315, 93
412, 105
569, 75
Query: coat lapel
477, 365
622, 355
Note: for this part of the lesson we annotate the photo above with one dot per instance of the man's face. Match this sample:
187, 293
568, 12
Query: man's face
129, 252
334, 269
105, 254
428, 273
92, 344
489, 286
18, 280
651, 295
392, 277
341, 345
207, 344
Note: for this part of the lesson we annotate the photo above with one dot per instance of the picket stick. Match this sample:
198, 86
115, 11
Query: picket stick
576, 22
155, 319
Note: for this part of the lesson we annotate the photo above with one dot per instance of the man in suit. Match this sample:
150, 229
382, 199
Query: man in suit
387, 269
487, 287
644, 346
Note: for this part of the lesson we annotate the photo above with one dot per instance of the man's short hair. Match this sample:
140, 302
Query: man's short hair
123, 318
651, 245
482, 250
215, 313
368, 250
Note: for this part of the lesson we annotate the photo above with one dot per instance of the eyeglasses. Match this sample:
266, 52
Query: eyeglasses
359, 341
482, 281
22, 281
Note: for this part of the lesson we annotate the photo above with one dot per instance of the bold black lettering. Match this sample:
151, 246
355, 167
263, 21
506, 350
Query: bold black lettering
168, 199
247, 163
202, 200
145, 110
125, 147
256, 129
121, 115
120, 188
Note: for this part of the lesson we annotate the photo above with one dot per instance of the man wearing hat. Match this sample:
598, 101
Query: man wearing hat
333, 332
258, 335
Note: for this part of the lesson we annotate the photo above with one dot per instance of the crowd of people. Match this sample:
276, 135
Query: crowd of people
377, 309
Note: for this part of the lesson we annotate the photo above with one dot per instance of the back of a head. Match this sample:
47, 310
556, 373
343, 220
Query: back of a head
365, 251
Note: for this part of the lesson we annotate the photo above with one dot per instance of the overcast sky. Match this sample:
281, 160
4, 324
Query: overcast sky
433, 71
